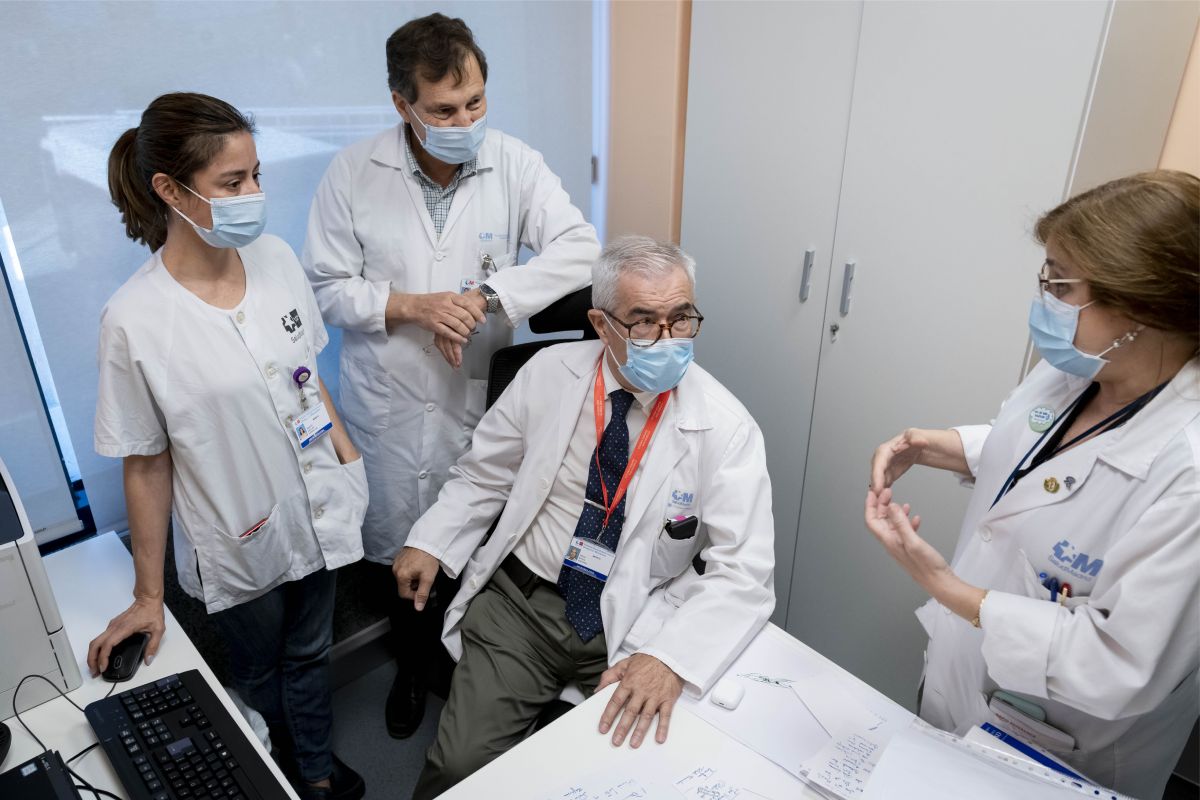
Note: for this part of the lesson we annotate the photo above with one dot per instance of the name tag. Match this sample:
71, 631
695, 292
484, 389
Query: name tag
589, 557
467, 284
312, 425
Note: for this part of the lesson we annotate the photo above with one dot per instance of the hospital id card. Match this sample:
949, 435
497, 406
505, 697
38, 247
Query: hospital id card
312, 425
589, 557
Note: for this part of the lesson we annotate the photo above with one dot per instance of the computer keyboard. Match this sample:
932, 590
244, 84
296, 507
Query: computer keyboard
174, 740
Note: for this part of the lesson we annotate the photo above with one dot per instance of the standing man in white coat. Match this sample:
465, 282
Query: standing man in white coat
611, 465
412, 250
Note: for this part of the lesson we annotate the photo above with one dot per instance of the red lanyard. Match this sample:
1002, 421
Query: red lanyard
639, 449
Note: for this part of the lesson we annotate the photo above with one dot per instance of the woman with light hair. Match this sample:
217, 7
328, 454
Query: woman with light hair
1070, 613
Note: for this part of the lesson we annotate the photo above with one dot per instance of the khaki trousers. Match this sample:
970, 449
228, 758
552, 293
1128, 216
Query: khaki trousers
519, 652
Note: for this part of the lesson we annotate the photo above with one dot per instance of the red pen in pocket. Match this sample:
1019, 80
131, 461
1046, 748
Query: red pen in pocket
254, 528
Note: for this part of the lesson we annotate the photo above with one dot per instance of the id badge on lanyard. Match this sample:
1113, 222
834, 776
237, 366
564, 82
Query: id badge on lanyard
590, 556
313, 423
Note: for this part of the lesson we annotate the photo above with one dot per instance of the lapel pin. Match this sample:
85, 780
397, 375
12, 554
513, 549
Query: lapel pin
1069, 482
1050, 485
1041, 418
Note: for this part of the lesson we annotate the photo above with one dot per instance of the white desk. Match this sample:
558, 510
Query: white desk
572, 753
93, 582
570, 760
569, 752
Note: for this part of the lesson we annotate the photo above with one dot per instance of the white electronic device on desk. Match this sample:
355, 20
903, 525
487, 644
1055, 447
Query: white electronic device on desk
35, 641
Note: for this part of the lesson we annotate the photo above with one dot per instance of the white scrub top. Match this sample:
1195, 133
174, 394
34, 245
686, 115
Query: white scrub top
216, 387
369, 234
1118, 518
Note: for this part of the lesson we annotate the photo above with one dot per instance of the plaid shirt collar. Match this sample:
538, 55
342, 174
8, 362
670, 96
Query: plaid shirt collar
466, 169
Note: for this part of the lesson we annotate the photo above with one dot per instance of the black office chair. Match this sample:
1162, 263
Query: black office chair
566, 314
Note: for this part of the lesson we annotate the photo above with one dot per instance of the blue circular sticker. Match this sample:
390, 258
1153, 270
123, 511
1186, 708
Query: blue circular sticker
1041, 418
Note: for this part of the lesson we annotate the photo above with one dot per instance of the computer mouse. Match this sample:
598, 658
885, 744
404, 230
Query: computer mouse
5, 741
727, 693
125, 658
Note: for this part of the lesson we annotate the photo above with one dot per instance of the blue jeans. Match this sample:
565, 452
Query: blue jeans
279, 656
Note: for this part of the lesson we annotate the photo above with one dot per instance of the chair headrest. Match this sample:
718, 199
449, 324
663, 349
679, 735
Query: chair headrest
566, 314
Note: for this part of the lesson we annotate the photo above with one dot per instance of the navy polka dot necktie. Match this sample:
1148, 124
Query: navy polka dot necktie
582, 592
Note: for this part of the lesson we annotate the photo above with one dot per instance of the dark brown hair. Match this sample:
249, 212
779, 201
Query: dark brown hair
179, 135
432, 47
1137, 242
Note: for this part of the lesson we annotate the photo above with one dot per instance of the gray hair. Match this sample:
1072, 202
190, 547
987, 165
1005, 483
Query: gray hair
635, 254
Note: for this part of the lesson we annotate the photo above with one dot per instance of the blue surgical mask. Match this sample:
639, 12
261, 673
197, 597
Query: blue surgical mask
657, 368
451, 145
236, 221
1052, 324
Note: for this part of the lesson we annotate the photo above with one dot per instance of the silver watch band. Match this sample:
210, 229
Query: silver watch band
493, 299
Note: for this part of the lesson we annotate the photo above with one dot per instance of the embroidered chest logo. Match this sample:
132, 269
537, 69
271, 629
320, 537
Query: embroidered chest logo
291, 321
1065, 557
292, 324
682, 498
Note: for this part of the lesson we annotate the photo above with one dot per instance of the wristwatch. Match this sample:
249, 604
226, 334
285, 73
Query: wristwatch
493, 299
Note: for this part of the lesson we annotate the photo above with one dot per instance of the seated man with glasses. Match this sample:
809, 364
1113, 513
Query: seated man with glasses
635, 543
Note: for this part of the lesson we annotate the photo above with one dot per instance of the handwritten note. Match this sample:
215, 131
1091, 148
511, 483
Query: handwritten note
844, 765
704, 783
858, 730
603, 789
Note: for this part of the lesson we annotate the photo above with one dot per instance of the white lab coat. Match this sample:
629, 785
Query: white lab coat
369, 234
1117, 667
215, 386
706, 459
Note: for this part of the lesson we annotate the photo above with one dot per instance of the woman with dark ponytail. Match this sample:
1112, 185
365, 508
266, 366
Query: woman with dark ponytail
209, 392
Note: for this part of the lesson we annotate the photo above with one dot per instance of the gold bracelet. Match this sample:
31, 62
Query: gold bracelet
979, 611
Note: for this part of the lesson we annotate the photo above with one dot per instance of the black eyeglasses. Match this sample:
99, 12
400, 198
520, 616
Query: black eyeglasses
645, 333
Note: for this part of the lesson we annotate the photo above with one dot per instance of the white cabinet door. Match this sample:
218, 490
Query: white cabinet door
963, 129
768, 107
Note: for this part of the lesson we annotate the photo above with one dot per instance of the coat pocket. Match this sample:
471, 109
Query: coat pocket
366, 394
247, 562
500, 259
474, 408
672, 556
357, 493
1031, 584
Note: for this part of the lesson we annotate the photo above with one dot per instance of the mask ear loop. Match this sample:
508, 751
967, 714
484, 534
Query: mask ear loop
185, 216
193, 191
618, 333
421, 122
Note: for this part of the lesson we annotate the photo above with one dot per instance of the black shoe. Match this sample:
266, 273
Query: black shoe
344, 784
405, 706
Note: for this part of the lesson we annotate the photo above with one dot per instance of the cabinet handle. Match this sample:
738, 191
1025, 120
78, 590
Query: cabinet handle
847, 284
806, 276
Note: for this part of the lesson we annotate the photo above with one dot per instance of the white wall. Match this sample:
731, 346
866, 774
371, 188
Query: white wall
73, 76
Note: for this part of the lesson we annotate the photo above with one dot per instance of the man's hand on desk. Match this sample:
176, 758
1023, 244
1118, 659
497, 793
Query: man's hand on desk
144, 616
647, 687
415, 570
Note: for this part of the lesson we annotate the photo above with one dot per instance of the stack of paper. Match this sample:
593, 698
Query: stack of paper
923, 763
859, 724
806, 715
